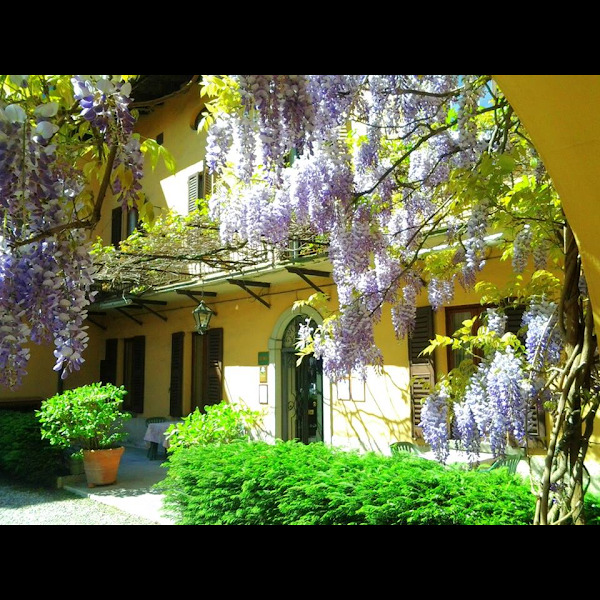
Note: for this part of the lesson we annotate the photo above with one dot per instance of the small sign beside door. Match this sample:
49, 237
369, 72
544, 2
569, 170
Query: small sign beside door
262, 374
263, 394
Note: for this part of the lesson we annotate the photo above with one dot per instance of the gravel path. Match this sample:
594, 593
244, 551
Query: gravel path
23, 505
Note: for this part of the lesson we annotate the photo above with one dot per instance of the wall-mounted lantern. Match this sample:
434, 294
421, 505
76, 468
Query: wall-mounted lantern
202, 315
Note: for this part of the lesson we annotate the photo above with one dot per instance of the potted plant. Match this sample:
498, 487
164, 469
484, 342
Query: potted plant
90, 418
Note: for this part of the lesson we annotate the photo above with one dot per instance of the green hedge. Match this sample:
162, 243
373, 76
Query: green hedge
287, 483
592, 509
23, 453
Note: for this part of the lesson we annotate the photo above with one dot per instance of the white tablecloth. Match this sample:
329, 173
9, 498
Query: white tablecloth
156, 433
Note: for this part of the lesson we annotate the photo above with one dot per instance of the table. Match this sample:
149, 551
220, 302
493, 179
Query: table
155, 435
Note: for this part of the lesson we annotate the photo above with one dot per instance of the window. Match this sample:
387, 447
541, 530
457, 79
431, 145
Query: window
457, 314
123, 224
454, 321
200, 186
536, 428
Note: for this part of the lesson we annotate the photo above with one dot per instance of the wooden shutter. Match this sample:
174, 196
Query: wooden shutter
213, 381
207, 183
422, 380
419, 339
514, 316
176, 389
136, 373
108, 366
422, 373
116, 230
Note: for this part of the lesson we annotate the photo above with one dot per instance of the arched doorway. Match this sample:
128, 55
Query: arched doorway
301, 389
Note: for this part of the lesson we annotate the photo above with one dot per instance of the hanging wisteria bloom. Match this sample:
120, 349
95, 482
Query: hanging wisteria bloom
492, 409
434, 421
543, 341
363, 160
508, 397
46, 270
496, 321
472, 414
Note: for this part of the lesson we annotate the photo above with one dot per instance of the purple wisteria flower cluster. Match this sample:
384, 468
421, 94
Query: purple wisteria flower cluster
105, 105
494, 407
496, 400
543, 342
434, 421
46, 269
372, 243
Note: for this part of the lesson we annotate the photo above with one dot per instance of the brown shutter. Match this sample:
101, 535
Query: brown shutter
116, 230
207, 183
135, 387
108, 366
213, 392
176, 389
514, 316
419, 339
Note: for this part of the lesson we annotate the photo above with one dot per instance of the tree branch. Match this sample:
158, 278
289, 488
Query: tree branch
94, 218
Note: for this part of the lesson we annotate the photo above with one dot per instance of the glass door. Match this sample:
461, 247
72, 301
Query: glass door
302, 393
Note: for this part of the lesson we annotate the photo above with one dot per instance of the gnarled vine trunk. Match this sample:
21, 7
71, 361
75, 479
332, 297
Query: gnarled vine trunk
562, 489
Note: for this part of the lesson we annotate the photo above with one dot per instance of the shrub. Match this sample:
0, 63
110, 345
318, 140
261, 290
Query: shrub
25, 455
592, 509
88, 416
220, 424
287, 483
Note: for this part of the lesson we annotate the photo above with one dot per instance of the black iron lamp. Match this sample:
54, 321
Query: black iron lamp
202, 315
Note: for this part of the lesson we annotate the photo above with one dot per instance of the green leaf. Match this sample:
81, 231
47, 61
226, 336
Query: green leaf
168, 159
151, 148
486, 165
507, 163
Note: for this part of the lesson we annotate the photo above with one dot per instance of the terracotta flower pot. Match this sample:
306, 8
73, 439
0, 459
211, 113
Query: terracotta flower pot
101, 466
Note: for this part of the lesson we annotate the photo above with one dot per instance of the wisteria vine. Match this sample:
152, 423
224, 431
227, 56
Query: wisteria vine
46, 271
381, 190
297, 163
507, 384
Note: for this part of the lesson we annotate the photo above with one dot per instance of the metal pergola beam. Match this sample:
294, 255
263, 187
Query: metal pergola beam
196, 295
303, 273
144, 301
245, 284
144, 304
124, 312
96, 323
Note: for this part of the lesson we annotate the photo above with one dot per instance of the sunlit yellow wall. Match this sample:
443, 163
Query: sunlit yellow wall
560, 115
42, 381
175, 121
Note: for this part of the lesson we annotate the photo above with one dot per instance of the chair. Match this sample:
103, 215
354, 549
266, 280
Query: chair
153, 449
409, 447
510, 462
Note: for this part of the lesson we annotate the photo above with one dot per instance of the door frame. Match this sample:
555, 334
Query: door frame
276, 366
